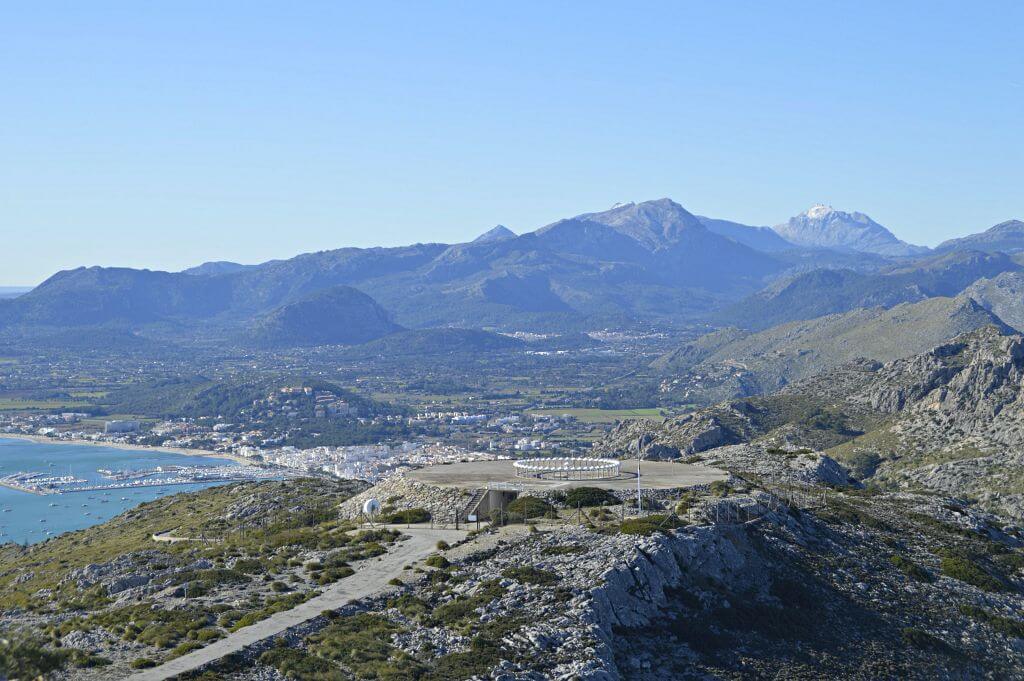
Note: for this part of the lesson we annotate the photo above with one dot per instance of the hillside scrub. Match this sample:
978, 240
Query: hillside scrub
530, 507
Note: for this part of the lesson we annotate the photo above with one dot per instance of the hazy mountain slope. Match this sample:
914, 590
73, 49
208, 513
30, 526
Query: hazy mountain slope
1006, 236
496, 233
340, 315
759, 238
98, 295
1003, 295
654, 224
649, 261
792, 351
822, 292
280, 281
214, 268
824, 226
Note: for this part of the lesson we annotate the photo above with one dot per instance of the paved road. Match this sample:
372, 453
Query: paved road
370, 577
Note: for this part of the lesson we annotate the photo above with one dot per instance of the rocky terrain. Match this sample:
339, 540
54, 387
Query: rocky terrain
765, 361
950, 419
746, 583
174, 574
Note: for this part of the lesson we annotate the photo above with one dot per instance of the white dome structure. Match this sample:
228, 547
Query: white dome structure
371, 508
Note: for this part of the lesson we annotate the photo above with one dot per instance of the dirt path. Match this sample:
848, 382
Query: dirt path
370, 577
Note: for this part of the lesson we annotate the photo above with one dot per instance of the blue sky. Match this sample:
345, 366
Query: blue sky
161, 135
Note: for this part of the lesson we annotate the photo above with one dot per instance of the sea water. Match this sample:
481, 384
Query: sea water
27, 518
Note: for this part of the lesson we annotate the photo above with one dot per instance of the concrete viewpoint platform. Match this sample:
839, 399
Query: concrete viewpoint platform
480, 474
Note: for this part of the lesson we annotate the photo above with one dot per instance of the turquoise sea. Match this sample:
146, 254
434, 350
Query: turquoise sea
26, 517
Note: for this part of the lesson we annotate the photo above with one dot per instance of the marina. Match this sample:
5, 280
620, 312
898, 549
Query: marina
160, 476
47, 489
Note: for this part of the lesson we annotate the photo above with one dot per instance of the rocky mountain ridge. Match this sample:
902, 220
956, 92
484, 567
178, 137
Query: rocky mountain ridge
922, 421
824, 226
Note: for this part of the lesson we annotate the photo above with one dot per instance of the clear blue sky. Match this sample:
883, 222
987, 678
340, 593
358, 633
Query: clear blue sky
164, 134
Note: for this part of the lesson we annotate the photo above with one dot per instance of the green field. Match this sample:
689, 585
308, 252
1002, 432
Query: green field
604, 415
12, 404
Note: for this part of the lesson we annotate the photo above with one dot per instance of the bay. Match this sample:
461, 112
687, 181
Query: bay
26, 518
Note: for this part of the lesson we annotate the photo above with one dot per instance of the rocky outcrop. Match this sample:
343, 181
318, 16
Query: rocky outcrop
400, 493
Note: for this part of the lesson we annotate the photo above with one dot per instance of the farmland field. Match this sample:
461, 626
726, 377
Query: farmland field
604, 415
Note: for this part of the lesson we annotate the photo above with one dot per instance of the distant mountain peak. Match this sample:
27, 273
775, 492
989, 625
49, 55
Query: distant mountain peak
822, 226
217, 267
496, 233
653, 223
1007, 236
819, 210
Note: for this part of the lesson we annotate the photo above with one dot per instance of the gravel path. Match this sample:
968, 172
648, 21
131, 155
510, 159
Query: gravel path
369, 578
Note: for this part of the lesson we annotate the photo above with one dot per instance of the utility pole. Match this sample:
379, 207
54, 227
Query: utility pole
639, 500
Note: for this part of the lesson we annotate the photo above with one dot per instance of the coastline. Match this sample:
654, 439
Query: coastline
42, 439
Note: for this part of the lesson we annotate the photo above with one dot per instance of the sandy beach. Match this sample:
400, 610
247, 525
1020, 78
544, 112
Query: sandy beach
121, 445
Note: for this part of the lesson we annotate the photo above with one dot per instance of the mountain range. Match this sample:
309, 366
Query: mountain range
650, 262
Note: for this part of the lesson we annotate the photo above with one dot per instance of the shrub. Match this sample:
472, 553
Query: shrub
436, 561
922, 640
298, 664
863, 464
363, 644
959, 567
528, 574
334, 574
463, 609
185, 648
911, 569
142, 663
442, 545
719, 488
1004, 625
589, 496
22, 657
648, 525
249, 566
530, 507
562, 550
407, 517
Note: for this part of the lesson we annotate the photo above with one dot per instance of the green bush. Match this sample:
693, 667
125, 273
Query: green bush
911, 569
922, 640
462, 609
25, 657
719, 488
863, 464
1004, 625
436, 561
562, 550
530, 507
528, 574
407, 517
589, 496
966, 570
363, 644
142, 663
685, 503
294, 663
648, 525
